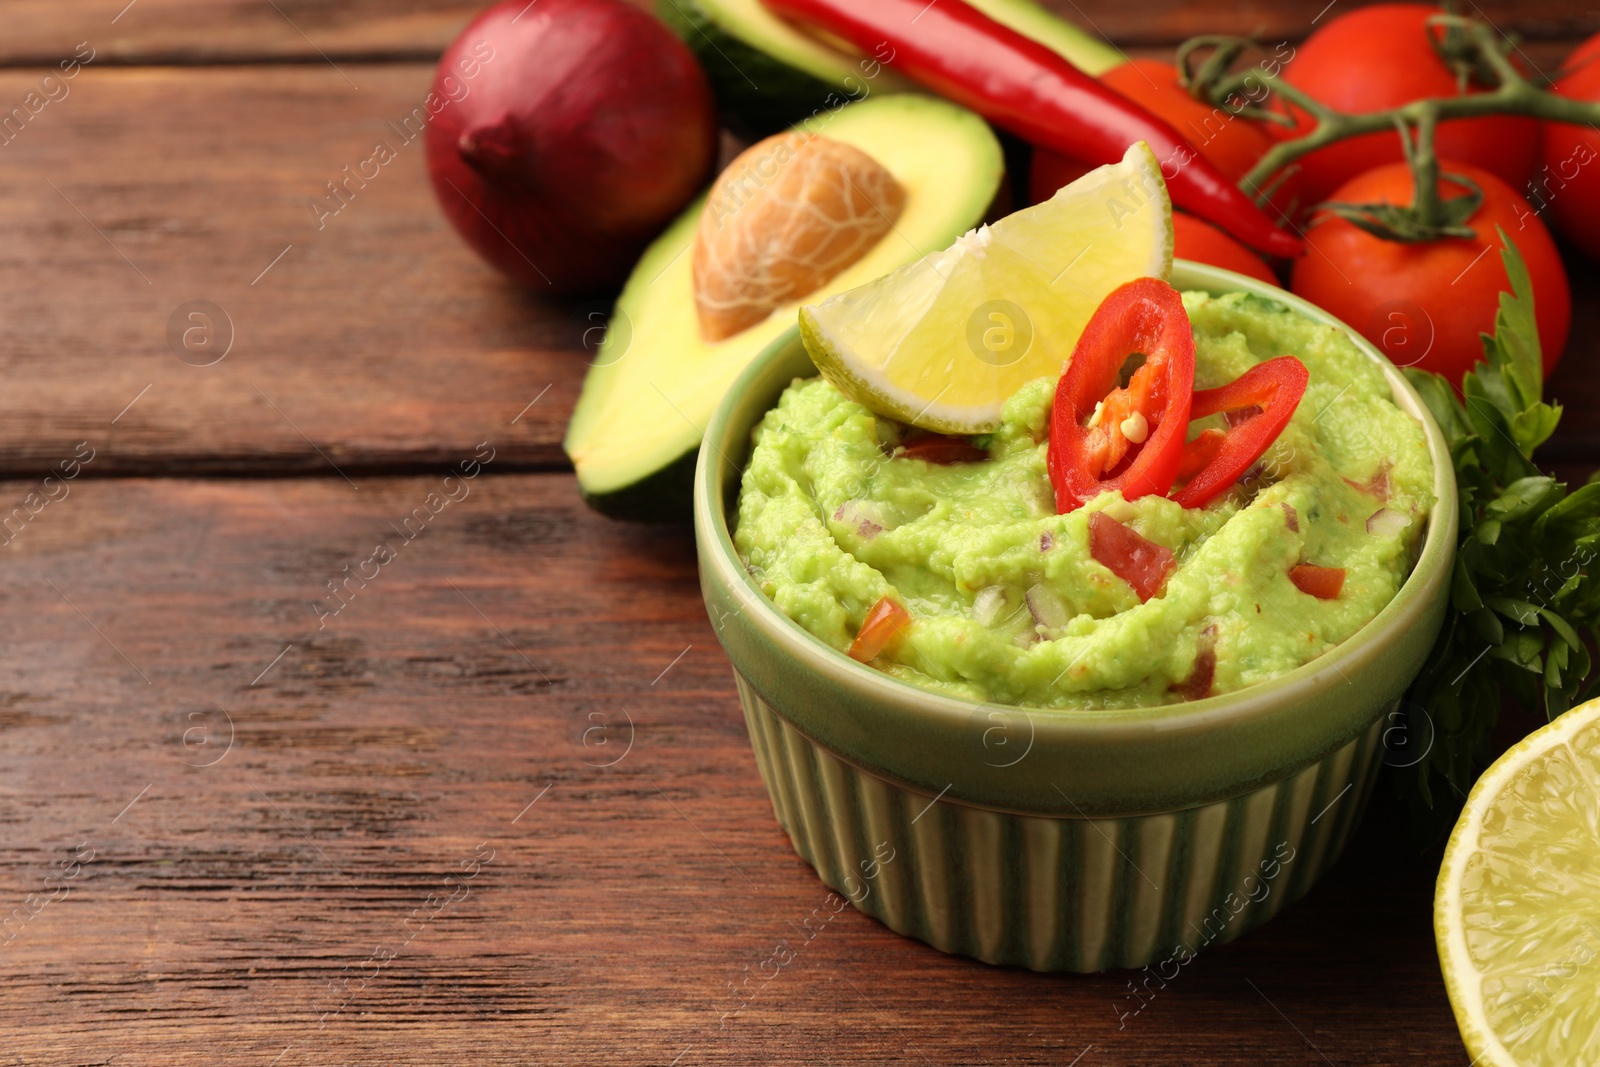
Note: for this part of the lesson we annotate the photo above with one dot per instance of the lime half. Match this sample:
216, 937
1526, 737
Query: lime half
942, 343
1517, 910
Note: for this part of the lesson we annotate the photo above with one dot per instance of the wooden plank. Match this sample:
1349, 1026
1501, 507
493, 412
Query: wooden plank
211, 31
375, 342
371, 338
240, 896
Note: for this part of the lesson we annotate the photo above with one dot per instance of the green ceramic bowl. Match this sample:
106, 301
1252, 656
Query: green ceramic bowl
1060, 840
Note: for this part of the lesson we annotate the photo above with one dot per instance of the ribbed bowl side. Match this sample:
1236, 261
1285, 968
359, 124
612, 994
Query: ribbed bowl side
1059, 894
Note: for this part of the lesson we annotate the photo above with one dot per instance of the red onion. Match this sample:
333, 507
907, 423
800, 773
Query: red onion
1387, 521
567, 134
1046, 607
863, 515
1379, 485
1198, 685
987, 604
942, 448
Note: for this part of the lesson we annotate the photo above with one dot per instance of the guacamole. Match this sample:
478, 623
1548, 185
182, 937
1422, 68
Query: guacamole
1006, 600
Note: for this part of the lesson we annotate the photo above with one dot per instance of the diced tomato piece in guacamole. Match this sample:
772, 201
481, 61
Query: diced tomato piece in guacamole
1130, 555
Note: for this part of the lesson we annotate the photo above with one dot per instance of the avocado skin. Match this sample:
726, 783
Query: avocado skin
664, 496
785, 96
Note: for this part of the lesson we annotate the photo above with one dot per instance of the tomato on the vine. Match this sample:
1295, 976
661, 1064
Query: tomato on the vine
1425, 304
1569, 182
1380, 57
1231, 143
1202, 242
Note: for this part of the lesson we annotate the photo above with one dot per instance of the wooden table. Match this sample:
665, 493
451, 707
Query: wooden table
500, 808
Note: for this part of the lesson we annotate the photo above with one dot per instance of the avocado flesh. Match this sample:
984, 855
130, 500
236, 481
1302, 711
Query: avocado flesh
656, 381
767, 74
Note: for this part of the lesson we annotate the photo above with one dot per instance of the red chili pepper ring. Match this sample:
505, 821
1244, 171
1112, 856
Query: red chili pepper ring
1267, 394
1104, 435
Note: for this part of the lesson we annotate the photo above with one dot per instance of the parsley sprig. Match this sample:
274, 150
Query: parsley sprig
1523, 596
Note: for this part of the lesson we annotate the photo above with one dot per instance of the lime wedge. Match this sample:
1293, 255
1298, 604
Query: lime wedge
1517, 910
942, 343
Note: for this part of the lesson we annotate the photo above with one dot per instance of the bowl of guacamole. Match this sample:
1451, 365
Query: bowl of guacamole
1072, 773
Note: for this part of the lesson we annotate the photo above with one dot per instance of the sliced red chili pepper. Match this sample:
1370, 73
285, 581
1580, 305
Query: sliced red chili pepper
883, 624
1023, 86
1275, 388
1104, 436
1130, 555
1199, 452
939, 448
1323, 583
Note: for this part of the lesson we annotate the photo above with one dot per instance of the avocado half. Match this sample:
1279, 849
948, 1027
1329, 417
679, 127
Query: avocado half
767, 74
655, 381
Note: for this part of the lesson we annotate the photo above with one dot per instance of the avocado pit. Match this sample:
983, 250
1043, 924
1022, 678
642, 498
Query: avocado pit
786, 216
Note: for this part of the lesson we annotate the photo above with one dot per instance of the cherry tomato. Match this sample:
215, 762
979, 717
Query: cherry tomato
1104, 435
1425, 304
882, 625
1379, 57
1568, 182
1231, 144
1202, 242
1323, 583
1130, 555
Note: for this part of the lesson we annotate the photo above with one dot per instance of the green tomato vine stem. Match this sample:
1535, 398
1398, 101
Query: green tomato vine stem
1513, 95
1426, 202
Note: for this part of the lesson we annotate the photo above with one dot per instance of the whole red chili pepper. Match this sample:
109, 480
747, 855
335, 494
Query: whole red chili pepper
1022, 86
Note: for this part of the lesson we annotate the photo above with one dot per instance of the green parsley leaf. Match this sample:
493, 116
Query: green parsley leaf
1522, 595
